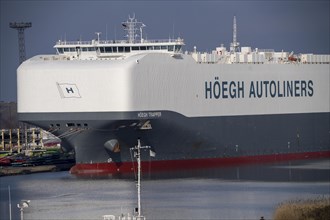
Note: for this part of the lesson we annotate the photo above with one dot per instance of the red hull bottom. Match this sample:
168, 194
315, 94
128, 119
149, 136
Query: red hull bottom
168, 165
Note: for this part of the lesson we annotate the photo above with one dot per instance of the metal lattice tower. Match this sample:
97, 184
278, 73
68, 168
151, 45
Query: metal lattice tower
20, 27
234, 45
132, 26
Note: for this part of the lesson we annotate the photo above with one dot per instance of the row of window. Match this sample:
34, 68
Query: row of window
73, 49
69, 125
119, 49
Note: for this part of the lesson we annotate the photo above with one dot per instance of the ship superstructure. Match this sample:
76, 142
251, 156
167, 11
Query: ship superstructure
193, 108
119, 49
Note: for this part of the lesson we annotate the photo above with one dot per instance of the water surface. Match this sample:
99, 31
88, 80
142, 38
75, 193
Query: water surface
246, 192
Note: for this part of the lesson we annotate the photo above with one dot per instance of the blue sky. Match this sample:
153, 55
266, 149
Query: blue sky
299, 26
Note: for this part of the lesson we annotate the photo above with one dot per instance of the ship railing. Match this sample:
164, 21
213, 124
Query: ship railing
179, 40
74, 42
95, 42
264, 50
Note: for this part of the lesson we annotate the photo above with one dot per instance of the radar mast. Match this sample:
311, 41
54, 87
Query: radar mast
132, 26
234, 45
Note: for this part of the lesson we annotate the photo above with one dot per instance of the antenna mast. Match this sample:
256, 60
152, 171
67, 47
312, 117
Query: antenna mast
132, 26
137, 154
20, 27
234, 45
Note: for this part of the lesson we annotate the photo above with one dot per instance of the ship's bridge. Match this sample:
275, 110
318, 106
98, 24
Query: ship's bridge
96, 49
103, 49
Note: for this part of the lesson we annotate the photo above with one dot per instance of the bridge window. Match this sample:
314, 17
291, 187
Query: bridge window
60, 50
108, 49
72, 49
143, 48
170, 48
150, 48
164, 47
127, 49
135, 48
157, 47
84, 49
177, 47
91, 49
66, 49
101, 49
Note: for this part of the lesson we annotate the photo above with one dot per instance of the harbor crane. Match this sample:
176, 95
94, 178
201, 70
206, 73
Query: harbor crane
20, 27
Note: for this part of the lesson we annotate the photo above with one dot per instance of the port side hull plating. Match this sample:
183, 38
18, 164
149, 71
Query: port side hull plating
175, 137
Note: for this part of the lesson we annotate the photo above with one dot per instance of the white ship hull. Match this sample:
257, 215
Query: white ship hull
188, 110
194, 109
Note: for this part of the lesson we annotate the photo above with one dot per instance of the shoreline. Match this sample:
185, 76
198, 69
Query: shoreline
10, 170
304, 209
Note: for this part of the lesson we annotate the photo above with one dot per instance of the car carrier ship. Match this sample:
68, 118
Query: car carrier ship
194, 109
